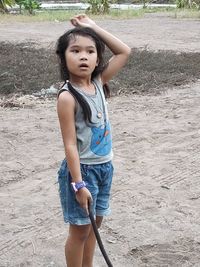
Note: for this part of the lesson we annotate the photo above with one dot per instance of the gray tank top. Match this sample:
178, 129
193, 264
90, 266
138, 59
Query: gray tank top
94, 140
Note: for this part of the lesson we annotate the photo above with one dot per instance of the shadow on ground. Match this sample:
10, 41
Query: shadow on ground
26, 70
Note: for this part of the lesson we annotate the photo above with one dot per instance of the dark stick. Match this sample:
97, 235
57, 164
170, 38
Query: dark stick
98, 238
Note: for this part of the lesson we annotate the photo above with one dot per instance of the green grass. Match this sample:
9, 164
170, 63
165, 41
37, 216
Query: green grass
187, 13
63, 15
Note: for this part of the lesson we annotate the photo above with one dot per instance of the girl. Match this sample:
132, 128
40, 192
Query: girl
85, 175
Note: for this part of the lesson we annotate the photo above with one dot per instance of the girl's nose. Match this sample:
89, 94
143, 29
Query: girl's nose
83, 56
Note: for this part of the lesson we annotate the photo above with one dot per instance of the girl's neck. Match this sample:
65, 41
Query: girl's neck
85, 85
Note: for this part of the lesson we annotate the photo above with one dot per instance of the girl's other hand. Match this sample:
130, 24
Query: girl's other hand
82, 20
83, 196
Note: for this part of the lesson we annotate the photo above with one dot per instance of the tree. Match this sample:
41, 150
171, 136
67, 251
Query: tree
29, 5
20, 4
188, 4
5, 3
98, 6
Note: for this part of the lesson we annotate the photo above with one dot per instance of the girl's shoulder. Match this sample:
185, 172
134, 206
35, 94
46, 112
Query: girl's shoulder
64, 96
64, 88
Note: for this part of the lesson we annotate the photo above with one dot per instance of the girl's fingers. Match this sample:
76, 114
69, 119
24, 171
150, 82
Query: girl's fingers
74, 22
90, 199
81, 16
89, 203
80, 20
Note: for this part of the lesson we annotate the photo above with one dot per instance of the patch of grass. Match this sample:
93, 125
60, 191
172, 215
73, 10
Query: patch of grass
53, 15
124, 14
60, 15
63, 15
187, 13
159, 9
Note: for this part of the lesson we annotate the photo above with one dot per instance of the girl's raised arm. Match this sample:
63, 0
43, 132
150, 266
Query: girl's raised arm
119, 49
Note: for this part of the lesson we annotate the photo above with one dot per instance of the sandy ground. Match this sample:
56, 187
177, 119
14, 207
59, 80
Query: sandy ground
155, 201
152, 32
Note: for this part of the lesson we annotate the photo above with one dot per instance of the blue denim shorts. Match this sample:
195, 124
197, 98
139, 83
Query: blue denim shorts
98, 179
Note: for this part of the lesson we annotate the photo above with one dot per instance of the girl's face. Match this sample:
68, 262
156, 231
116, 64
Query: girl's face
81, 56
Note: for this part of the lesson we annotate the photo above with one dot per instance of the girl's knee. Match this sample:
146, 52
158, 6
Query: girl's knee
79, 232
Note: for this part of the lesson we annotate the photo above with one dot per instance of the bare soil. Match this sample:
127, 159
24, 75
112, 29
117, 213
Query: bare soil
154, 111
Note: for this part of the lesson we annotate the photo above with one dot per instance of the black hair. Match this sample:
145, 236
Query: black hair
62, 45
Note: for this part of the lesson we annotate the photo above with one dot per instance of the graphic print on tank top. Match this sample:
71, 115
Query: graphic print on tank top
101, 142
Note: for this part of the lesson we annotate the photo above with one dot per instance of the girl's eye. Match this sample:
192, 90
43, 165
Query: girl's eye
91, 51
75, 51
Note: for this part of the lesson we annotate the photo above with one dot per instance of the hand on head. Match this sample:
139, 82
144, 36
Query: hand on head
82, 20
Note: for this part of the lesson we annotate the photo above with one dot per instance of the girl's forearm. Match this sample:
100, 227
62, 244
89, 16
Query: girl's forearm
73, 163
114, 44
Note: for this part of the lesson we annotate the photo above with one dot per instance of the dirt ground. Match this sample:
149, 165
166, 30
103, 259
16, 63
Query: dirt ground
155, 202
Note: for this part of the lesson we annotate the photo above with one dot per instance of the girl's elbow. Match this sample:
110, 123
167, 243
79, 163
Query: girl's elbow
127, 54
128, 51
70, 148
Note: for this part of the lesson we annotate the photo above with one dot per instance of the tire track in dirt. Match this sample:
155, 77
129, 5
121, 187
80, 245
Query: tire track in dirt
22, 235
142, 159
189, 167
39, 230
179, 253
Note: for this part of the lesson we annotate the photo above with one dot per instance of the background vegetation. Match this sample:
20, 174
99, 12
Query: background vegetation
96, 7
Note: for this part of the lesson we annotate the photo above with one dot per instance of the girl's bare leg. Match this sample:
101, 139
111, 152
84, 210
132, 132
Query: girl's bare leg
89, 247
74, 247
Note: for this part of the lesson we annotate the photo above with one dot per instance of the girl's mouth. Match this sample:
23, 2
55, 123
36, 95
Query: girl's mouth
83, 65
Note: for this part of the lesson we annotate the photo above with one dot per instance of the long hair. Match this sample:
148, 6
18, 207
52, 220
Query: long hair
62, 45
